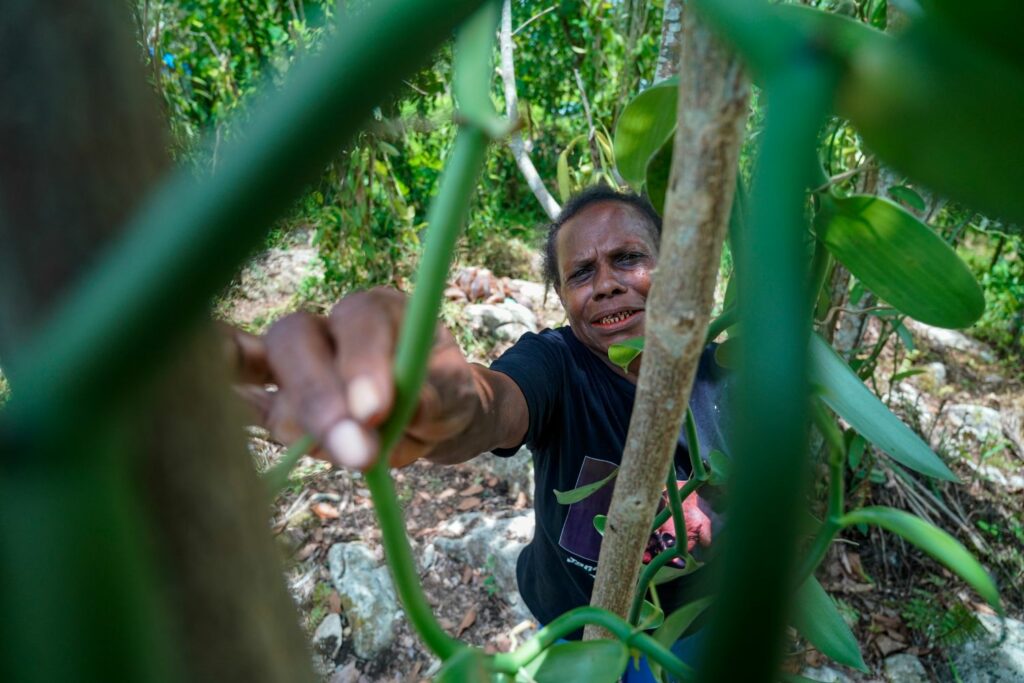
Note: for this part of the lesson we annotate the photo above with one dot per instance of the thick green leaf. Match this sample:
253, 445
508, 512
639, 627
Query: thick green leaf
900, 259
945, 111
599, 523
679, 621
651, 616
658, 170
468, 665
644, 126
578, 494
594, 661
932, 540
908, 196
846, 395
624, 353
818, 619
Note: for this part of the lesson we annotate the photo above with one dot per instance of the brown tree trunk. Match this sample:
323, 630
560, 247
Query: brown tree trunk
713, 95
141, 551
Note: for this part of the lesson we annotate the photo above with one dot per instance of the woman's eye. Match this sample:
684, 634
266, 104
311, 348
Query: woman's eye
630, 257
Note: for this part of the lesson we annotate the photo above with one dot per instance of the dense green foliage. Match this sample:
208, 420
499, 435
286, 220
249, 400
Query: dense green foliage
209, 57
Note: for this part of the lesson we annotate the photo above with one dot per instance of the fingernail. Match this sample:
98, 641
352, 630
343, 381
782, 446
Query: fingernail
363, 398
348, 445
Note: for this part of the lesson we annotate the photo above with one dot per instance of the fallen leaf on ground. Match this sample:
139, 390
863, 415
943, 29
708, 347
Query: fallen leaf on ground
306, 552
472, 490
467, 574
467, 621
447, 493
325, 511
334, 602
469, 503
887, 645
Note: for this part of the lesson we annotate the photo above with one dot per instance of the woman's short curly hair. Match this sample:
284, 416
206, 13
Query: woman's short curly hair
592, 195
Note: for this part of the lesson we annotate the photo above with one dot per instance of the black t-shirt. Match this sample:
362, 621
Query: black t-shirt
579, 415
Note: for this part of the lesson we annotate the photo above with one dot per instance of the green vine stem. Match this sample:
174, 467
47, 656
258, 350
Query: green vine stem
576, 619
758, 559
697, 469
447, 214
415, 341
832, 525
679, 550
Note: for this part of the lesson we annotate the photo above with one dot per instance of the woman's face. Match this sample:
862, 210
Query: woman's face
606, 254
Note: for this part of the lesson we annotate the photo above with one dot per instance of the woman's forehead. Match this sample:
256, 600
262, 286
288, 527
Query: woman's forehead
605, 223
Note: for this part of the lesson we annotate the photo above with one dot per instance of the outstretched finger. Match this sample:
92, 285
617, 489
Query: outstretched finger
364, 327
301, 356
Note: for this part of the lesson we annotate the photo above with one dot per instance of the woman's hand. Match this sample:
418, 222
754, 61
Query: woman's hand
334, 381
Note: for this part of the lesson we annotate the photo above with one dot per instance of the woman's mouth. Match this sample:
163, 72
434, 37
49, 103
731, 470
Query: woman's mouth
616, 320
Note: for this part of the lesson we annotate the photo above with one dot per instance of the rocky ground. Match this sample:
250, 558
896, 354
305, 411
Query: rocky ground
467, 523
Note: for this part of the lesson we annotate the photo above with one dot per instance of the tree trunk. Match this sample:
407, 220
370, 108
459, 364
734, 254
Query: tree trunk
671, 36
713, 95
141, 550
515, 140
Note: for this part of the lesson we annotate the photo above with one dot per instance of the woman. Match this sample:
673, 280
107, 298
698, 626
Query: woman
556, 391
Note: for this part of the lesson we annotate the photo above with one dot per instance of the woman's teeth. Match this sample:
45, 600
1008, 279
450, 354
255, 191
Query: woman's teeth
615, 317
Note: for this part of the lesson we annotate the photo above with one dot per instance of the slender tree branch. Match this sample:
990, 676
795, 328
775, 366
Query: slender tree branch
534, 18
515, 140
713, 95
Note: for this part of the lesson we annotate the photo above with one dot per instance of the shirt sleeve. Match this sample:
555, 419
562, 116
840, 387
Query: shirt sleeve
537, 364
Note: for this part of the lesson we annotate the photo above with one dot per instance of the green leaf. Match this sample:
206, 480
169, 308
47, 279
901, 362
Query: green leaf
658, 170
622, 354
721, 466
726, 353
846, 395
467, 665
904, 334
921, 105
564, 178
644, 126
900, 259
818, 619
594, 661
908, 196
599, 523
932, 540
855, 448
907, 373
666, 574
677, 622
651, 616
576, 495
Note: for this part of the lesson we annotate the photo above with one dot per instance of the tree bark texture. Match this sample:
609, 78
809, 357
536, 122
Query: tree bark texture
671, 37
515, 140
145, 555
713, 98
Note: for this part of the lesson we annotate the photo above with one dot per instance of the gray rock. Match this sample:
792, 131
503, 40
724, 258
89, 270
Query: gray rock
491, 545
367, 597
986, 660
971, 426
911, 404
529, 294
507, 321
826, 674
1012, 419
327, 639
905, 668
936, 372
939, 339
516, 470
